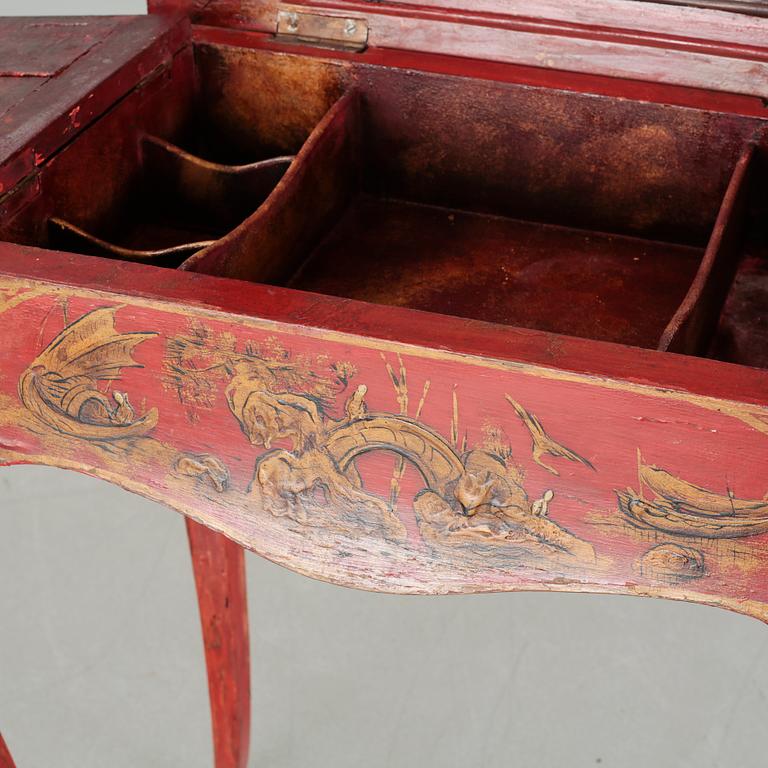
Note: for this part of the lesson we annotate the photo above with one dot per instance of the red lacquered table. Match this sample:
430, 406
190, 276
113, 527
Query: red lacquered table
429, 299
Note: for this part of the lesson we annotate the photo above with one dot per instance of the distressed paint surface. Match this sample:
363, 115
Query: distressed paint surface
207, 399
219, 568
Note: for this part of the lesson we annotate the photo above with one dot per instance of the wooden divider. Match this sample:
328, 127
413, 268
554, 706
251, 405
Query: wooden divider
691, 328
270, 245
223, 194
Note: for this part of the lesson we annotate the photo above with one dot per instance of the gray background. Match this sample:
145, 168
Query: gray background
101, 660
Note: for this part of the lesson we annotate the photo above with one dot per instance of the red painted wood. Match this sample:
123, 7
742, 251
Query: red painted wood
607, 401
6, 761
197, 456
645, 17
683, 46
14, 89
468, 337
42, 121
477, 68
666, 60
648, 17
172, 7
748, 7
219, 568
43, 47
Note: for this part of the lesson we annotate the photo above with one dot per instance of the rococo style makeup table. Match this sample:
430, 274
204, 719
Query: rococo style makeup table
437, 297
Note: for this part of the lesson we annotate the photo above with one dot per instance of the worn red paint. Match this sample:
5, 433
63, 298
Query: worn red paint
646, 122
604, 420
219, 567
6, 761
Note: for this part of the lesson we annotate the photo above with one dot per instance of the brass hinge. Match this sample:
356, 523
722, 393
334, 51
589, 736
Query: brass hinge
345, 32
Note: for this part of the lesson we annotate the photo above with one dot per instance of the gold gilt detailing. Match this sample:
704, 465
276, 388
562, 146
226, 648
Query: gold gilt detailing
204, 467
755, 416
543, 444
60, 387
308, 473
486, 504
472, 496
682, 508
671, 562
13, 297
692, 497
400, 385
438, 464
310, 489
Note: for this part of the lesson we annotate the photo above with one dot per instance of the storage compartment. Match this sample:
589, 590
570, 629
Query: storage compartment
587, 215
503, 270
570, 213
170, 169
179, 204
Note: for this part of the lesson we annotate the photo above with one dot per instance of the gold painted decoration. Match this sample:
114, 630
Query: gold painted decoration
671, 562
543, 444
397, 475
470, 497
60, 387
679, 507
204, 467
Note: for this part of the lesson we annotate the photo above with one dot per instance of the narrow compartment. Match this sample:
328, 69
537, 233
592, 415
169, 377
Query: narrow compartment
170, 169
691, 329
742, 329
179, 204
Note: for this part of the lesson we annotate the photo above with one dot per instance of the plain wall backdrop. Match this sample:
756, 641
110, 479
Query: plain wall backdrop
101, 660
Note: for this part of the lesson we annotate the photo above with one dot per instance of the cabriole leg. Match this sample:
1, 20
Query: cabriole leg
219, 567
6, 761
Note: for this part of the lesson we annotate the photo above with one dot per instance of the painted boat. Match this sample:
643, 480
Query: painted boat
61, 386
665, 516
685, 509
697, 499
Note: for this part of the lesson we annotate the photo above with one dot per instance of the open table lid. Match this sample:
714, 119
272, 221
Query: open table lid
719, 45
59, 74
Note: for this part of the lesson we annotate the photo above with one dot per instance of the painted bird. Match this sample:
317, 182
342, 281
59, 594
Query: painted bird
542, 442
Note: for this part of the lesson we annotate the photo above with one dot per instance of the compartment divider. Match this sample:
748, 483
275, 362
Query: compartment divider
72, 238
695, 321
272, 243
227, 193
216, 195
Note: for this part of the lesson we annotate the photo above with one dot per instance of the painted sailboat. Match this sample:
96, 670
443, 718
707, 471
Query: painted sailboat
682, 508
61, 389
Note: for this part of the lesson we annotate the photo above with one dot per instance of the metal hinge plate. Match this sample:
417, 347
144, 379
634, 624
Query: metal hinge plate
346, 32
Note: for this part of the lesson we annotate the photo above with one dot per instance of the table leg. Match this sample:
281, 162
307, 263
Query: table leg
219, 567
6, 761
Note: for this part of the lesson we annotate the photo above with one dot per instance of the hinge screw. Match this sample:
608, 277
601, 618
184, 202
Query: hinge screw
293, 22
350, 27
